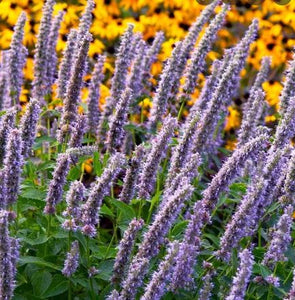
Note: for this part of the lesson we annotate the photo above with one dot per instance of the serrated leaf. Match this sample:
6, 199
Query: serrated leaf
41, 281
58, 286
37, 261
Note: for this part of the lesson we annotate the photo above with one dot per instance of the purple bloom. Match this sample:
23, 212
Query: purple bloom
117, 132
72, 261
94, 94
273, 280
73, 212
189, 249
130, 179
125, 56
4, 80
69, 115
40, 58
280, 239
77, 133
7, 122
163, 93
151, 164
125, 249
51, 51
64, 73
86, 20
55, 190
154, 238
241, 280
12, 167
90, 210
156, 288
8, 252
288, 91
199, 54
28, 126
17, 55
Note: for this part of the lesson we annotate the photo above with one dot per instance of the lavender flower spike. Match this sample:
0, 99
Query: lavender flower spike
130, 179
205, 291
250, 121
280, 240
16, 60
73, 212
94, 94
285, 129
181, 152
117, 132
4, 80
13, 162
55, 190
200, 52
90, 210
231, 168
118, 84
125, 249
78, 130
154, 238
64, 73
7, 122
151, 56
156, 288
164, 90
40, 57
189, 249
7, 261
288, 90
86, 19
241, 280
72, 261
69, 115
159, 146
51, 51
28, 126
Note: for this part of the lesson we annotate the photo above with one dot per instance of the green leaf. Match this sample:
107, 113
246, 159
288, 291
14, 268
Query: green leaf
179, 228
106, 211
97, 165
41, 281
126, 210
101, 251
37, 261
261, 270
105, 269
37, 241
33, 193
58, 286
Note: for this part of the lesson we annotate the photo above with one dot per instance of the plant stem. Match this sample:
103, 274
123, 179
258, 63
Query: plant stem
88, 267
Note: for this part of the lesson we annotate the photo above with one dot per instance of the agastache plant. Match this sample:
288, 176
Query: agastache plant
93, 114
280, 239
242, 277
72, 261
152, 161
17, 59
90, 210
40, 58
125, 249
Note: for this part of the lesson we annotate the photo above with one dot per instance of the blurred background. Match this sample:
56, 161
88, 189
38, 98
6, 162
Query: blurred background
173, 17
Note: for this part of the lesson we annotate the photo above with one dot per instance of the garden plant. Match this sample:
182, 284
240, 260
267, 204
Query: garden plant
145, 195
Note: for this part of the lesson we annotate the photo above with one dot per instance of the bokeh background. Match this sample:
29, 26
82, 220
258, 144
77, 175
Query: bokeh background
173, 17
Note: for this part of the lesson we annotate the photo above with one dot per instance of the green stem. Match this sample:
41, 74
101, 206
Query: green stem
88, 267
180, 110
69, 282
48, 233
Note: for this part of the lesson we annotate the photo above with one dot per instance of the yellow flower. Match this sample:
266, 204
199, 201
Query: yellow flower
233, 120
